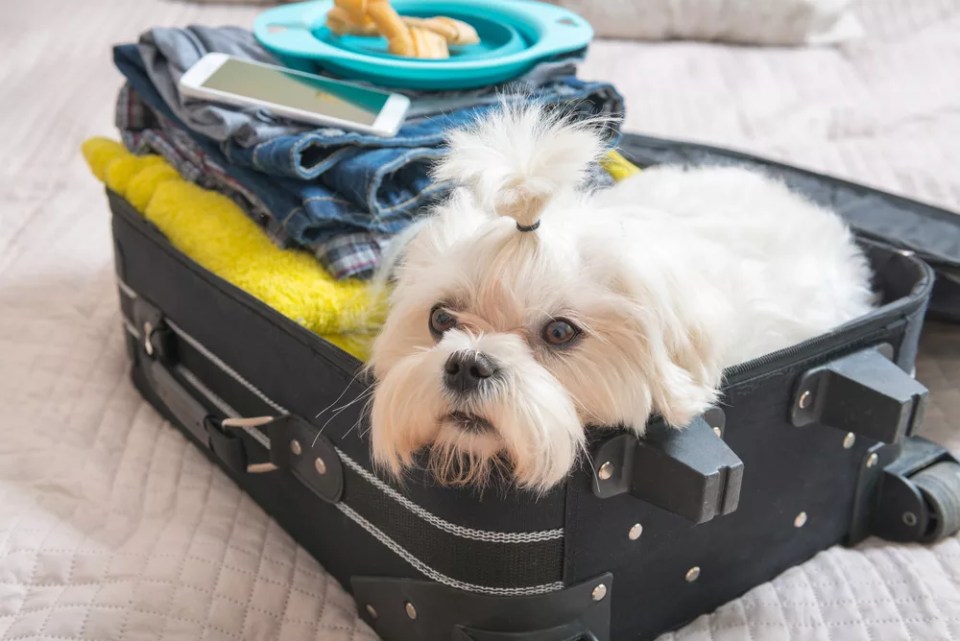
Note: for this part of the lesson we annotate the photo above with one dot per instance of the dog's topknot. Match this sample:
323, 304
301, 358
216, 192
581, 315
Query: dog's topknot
516, 159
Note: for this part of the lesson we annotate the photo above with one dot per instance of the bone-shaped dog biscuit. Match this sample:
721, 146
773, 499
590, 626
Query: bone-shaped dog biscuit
455, 32
341, 21
406, 36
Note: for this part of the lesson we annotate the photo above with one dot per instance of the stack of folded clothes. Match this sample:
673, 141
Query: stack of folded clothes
339, 194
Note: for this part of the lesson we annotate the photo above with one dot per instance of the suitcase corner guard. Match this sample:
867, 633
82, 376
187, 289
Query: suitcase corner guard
690, 472
864, 393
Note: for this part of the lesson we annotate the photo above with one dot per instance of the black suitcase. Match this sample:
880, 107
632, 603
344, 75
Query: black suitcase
812, 446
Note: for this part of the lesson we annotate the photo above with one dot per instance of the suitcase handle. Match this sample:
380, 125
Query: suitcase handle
189, 411
690, 472
294, 444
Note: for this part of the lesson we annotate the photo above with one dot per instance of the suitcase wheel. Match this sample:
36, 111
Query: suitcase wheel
940, 486
913, 495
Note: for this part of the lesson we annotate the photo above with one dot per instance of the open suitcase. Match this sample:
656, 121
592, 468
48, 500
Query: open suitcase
812, 446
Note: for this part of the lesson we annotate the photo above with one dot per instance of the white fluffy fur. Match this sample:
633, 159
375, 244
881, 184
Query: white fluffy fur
516, 160
672, 275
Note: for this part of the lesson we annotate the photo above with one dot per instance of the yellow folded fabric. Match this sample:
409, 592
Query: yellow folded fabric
213, 230
618, 166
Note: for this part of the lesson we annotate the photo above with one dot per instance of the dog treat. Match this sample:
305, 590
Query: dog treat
342, 22
428, 44
406, 36
455, 32
400, 40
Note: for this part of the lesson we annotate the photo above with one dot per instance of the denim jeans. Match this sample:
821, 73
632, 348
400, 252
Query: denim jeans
390, 176
348, 255
309, 211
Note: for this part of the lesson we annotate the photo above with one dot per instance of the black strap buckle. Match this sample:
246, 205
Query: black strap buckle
230, 448
295, 445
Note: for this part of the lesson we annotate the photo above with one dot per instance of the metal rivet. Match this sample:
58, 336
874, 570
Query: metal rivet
909, 519
718, 432
147, 333
849, 440
635, 532
605, 471
320, 465
410, 609
872, 460
599, 592
801, 520
805, 399
693, 574
295, 447
371, 611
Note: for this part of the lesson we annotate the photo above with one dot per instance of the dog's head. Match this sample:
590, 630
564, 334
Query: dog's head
506, 337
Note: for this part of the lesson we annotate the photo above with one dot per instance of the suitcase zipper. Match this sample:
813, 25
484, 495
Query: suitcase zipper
791, 355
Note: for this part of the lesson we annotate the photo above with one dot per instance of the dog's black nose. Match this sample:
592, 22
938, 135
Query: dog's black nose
464, 372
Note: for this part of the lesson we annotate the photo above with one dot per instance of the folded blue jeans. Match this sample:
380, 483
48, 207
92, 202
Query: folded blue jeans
309, 211
348, 255
388, 177
377, 189
384, 177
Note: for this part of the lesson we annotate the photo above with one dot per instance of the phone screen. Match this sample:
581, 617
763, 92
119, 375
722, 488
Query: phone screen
305, 92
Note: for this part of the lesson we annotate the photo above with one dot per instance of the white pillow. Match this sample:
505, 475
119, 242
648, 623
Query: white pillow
766, 22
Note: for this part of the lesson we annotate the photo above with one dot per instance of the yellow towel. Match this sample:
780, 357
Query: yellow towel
213, 230
618, 166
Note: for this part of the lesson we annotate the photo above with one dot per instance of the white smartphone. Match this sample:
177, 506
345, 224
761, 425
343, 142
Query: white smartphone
295, 95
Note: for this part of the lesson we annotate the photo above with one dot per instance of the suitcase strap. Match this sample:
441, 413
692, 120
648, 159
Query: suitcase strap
294, 445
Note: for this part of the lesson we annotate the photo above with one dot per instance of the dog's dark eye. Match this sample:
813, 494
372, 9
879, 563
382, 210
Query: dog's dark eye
559, 332
441, 320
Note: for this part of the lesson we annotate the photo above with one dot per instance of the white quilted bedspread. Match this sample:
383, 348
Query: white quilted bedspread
113, 527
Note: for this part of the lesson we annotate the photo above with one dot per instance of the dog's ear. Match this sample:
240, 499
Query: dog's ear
681, 325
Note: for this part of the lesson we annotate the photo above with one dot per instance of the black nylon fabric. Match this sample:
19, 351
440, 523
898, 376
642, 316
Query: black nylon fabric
484, 563
514, 564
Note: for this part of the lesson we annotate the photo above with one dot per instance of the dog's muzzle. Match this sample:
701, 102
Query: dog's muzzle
465, 372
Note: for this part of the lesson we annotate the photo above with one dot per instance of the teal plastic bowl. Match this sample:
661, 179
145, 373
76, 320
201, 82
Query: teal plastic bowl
514, 36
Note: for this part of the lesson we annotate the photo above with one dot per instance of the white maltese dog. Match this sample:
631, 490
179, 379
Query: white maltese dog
526, 310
